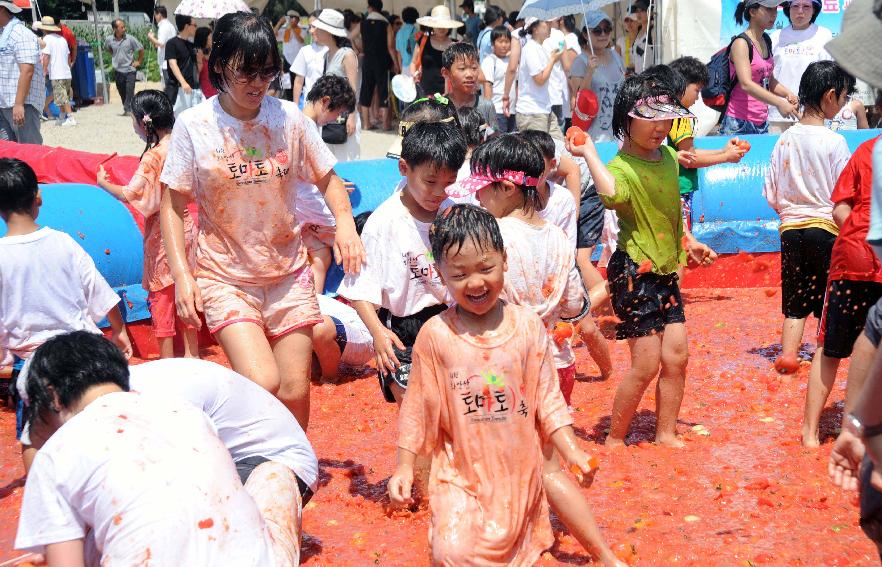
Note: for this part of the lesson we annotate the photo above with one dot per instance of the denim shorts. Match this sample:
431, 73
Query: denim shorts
735, 126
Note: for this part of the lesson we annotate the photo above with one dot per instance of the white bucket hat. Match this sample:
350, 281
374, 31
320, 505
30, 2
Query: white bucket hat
439, 17
331, 21
858, 47
11, 7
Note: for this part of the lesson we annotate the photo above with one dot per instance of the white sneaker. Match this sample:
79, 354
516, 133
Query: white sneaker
69, 122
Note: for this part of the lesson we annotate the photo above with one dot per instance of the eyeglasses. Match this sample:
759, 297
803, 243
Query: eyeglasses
801, 7
267, 75
601, 30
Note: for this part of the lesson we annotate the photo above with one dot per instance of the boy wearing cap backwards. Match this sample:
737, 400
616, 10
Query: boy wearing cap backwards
641, 186
399, 276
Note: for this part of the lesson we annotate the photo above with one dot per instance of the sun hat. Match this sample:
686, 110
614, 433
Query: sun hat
292, 14
659, 108
594, 17
855, 47
47, 23
11, 7
439, 17
586, 109
330, 21
477, 181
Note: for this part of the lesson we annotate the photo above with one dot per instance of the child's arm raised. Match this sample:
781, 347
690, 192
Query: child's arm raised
603, 179
188, 298
401, 483
348, 249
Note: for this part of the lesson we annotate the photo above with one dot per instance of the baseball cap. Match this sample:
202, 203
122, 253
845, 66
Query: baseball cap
11, 7
766, 3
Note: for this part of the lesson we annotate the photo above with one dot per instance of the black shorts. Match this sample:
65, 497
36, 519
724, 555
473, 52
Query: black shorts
805, 262
406, 328
590, 224
845, 314
645, 303
873, 326
247, 465
374, 76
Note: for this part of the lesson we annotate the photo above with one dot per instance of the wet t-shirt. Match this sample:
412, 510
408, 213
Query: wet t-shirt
647, 203
481, 406
148, 480
243, 176
542, 276
399, 272
144, 193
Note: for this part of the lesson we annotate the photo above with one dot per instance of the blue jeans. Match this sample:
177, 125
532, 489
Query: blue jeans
734, 126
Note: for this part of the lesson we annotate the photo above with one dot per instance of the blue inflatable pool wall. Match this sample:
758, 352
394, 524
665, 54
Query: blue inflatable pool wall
734, 215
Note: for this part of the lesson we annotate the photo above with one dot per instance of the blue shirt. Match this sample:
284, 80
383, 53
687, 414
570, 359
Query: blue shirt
402, 37
484, 45
472, 26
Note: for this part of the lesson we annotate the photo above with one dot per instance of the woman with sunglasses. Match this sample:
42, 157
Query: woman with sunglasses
241, 156
794, 48
601, 71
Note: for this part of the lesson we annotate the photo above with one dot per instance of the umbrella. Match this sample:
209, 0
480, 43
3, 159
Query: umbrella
210, 9
553, 9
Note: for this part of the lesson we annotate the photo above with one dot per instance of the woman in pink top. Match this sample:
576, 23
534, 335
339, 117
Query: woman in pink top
756, 87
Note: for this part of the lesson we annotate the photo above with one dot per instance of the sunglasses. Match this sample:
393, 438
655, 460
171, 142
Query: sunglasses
601, 30
267, 75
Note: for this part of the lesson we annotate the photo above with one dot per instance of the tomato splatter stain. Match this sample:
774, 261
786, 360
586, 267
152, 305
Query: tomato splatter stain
205, 524
117, 520
644, 267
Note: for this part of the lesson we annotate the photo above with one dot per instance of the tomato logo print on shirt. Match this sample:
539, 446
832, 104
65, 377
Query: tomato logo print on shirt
250, 166
486, 397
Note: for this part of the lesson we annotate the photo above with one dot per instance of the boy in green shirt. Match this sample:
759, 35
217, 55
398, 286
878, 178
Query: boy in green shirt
641, 185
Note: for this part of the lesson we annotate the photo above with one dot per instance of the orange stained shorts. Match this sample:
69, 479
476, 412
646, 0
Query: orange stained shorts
279, 307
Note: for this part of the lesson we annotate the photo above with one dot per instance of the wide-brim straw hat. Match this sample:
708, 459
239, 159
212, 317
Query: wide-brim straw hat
858, 47
47, 23
331, 21
439, 17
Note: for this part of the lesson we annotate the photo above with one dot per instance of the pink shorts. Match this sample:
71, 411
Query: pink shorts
280, 307
567, 378
162, 311
316, 236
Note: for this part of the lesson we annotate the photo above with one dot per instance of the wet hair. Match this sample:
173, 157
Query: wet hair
201, 39
68, 365
693, 71
242, 42
161, 10
511, 152
818, 78
473, 125
652, 83
816, 10
360, 220
666, 75
410, 15
460, 224
337, 89
155, 105
460, 50
18, 186
376, 5
491, 14
428, 110
182, 21
499, 32
440, 144
541, 140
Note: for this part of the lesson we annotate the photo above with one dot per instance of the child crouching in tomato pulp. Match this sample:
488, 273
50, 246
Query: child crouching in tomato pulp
481, 399
641, 185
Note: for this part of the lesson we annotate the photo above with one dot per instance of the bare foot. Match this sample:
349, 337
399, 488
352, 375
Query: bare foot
613, 442
810, 440
670, 441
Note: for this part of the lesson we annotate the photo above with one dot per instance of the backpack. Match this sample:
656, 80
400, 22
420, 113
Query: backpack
720, 82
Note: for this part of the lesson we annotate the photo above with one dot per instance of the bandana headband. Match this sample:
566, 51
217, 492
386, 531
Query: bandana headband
477, 181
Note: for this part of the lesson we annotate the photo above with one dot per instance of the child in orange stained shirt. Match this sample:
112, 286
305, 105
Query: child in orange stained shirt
481, 399
153, 119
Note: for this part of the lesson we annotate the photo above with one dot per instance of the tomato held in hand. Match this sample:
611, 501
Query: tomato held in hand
562, 331
576, 136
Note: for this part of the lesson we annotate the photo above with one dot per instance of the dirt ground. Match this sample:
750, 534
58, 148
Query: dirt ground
745, 494
102, 129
